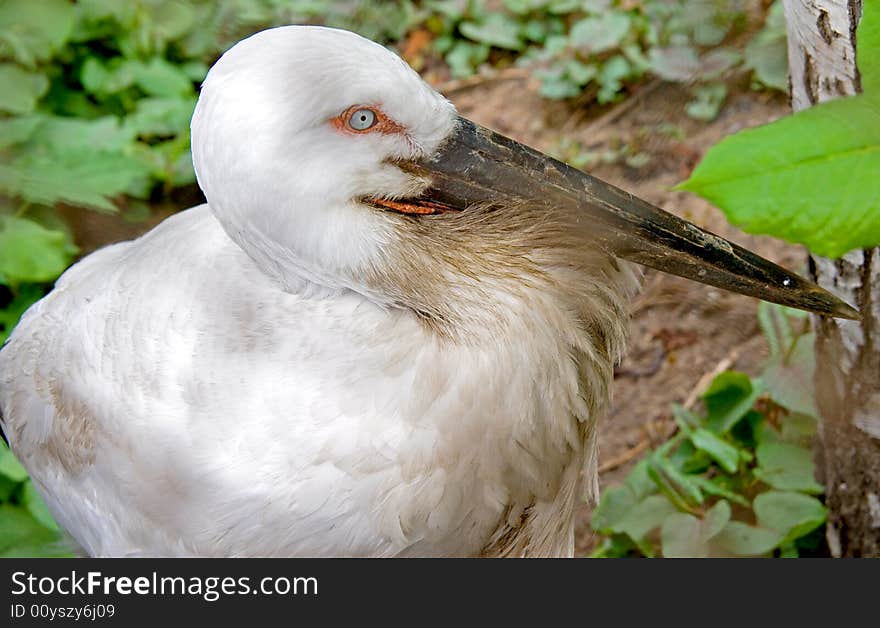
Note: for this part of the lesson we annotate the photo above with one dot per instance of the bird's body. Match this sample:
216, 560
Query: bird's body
231, 417
390, 332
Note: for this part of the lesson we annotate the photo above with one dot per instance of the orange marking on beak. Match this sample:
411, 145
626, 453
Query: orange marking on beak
419, 207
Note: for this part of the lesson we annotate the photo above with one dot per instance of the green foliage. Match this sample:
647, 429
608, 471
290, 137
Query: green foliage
810, 177
605, 44
26, 527
766, 55
737, 480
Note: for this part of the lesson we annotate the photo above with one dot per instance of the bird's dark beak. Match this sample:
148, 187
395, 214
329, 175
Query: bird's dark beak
476, 166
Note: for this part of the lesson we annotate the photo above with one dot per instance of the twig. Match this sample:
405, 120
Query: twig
625, 457
706, 379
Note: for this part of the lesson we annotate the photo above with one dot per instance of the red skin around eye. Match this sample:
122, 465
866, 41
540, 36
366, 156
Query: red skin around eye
384, 124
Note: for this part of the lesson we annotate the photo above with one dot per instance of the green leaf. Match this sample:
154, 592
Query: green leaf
751, 175
728, 399
21, 535
464, 57
680, 537
113, 77
799, 429
160, 78
767, 53
868, 47
598, 34
644, 517
744, 540
496, 30
84, 177
160, 116
786, 467
18, 129
615, 546
714, 487
32, 30
674, 63
677, 486
579, 72
30, 252
612, 508
10, 468
725, 454
789, 377
37, 507
686, 536
792, 515
708, 102
559, 88
767, 320
19, 89
59, 135
618, 501
611, 75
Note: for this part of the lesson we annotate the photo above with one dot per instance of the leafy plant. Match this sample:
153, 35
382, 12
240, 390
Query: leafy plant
26, 527
605, 44
810, 177
736, 480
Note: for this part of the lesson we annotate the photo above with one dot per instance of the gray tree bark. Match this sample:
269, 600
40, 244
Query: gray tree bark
822, 61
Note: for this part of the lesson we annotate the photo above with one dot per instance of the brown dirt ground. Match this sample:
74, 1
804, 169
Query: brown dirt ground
682, 332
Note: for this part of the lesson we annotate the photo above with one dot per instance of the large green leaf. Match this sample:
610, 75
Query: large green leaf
30, 252
32, 30
59, 135
786, 467
721, 451
744, 540
811, 177
37, 507
158, 77
791, 514
20, 89
686, 536
83, 177
868, 47
10, 467
767, 53
23, 536
496, 29
789, 377
601, 33
729, 398
828, 154
17, 130
161, 116
645, 516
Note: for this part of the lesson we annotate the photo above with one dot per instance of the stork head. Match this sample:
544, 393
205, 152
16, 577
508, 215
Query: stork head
330, 161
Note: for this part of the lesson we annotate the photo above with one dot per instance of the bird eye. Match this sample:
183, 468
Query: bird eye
362, 119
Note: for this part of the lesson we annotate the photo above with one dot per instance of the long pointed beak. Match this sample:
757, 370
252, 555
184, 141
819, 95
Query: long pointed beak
476, 165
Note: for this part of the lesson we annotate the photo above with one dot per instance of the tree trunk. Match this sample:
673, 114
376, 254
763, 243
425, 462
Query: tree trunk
822, 61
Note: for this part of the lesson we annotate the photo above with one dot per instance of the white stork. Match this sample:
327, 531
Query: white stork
389, 332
